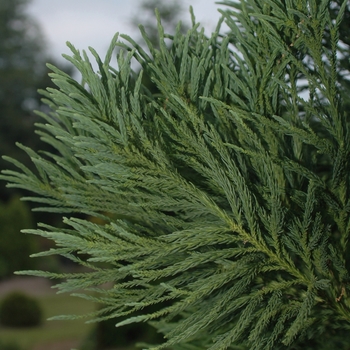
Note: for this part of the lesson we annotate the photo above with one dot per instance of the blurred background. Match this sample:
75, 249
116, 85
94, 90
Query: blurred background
33, 32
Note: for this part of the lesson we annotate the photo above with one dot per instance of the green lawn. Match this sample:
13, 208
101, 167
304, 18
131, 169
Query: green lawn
51, 331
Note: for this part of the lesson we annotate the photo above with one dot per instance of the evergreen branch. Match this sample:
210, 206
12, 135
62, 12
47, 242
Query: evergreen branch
223, 195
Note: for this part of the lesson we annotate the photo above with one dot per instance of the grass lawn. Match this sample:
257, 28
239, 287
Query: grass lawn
52, 331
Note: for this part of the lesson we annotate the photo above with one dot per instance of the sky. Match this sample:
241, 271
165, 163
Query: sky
93, 23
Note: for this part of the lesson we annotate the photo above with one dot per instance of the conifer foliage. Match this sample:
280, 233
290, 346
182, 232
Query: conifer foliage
224, 197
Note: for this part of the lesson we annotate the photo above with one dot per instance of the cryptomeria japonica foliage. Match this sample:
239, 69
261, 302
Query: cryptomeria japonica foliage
224, 195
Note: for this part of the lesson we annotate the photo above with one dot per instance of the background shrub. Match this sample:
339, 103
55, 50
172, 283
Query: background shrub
20, 310
105, 335
15, 247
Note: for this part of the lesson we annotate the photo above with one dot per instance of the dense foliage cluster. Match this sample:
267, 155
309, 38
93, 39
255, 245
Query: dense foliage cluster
224, 196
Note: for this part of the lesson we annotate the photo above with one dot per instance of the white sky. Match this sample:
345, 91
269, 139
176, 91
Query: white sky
94, 22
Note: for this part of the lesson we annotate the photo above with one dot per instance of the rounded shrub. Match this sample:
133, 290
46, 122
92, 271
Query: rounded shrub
20, 310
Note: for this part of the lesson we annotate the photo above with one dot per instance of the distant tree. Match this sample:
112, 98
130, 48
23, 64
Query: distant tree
22, 72
21, 67
170, 13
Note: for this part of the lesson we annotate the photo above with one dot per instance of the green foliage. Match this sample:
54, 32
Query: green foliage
15, 247
344, 48
225, 195
170, 13
20, 310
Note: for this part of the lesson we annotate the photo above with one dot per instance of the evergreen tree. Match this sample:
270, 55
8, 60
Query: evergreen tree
22, 62
225, 196
22, 71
